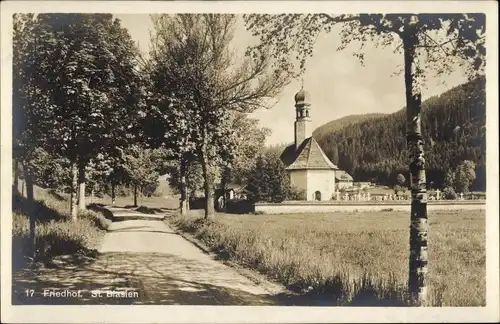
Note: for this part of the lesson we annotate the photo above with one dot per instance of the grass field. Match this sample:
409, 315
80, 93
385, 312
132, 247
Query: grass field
356, 258
56, 233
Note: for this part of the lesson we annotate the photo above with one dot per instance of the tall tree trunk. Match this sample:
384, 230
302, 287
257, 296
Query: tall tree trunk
183, 201
92, 195
81, 183
16, 175
208, 184
417, 282
74, 185
135, 195
30, 210
113, 185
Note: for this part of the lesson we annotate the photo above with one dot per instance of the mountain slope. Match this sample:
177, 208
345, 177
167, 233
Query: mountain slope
453, 126
338, 124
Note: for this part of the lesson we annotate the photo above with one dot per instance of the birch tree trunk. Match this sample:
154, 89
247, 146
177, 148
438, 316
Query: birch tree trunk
183, 201
30, 210
417, 282
81, 182
74, 185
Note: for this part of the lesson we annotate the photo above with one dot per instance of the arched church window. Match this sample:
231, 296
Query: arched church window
307, 113
317, 195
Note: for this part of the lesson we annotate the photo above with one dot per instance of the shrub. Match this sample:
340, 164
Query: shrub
197, 202
400, 179
239, 206
297, 194
465, 176
449, 193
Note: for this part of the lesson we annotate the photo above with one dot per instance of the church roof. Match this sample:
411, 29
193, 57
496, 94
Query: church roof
309, 155
302, 98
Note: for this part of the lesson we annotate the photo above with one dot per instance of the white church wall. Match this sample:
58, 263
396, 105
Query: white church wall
322, 181
298, 179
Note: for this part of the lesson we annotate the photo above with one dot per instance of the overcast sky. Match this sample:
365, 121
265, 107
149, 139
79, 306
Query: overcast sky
339, 85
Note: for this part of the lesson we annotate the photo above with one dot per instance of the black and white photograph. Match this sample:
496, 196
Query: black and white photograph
332, 158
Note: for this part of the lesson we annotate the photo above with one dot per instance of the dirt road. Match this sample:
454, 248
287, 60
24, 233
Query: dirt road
143, 261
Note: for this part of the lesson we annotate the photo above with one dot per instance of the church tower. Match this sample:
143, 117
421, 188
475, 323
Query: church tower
303, 118
309, 168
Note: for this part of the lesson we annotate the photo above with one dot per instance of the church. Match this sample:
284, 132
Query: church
309, 168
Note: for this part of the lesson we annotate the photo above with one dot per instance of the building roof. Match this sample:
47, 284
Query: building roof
309, 155
302, 98
341, 175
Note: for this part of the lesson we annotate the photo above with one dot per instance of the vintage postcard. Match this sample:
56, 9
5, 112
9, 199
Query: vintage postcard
292, 161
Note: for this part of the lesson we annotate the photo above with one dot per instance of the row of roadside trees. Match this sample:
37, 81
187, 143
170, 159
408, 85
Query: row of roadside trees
91, 112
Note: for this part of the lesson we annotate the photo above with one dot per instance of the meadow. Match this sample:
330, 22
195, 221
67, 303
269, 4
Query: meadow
354, 258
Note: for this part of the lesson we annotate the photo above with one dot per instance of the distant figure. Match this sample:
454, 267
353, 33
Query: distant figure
221, 202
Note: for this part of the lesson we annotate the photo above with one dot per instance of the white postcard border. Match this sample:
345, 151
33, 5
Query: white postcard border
251, 314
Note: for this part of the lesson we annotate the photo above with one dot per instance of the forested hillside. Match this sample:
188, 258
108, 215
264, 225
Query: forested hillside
454, 128
338, 124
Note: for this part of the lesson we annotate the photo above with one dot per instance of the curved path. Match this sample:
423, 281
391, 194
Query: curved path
143, 261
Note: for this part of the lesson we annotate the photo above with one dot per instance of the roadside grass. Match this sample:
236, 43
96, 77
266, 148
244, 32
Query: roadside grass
355, 258
56, 233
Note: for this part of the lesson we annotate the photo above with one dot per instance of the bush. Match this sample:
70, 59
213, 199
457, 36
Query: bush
197, 202
239, 206
400, 179
449, 193
297, 194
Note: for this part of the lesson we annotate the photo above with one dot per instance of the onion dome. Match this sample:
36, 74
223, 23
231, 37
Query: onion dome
302, 98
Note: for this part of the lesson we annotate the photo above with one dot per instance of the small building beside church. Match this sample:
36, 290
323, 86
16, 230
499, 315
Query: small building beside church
309, 168
343, 179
